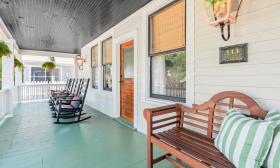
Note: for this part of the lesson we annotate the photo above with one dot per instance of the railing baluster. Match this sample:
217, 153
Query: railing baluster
38, 90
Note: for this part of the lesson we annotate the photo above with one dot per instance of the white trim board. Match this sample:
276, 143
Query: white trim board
117, 42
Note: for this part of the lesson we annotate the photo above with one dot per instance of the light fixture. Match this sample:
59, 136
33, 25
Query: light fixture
222, 13
80, 62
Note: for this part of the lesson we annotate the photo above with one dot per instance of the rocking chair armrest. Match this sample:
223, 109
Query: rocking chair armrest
64, 97
57, 95
77, 100
58, 91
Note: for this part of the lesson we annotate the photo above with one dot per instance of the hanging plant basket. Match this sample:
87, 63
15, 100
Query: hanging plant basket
50, 66
18, 64
4, 49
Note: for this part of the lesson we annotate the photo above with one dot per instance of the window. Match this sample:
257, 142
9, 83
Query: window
107, 64
94, 66
167, 52
40, 74
0, 73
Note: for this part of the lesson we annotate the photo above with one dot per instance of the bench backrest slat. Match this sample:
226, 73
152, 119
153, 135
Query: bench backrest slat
209, 115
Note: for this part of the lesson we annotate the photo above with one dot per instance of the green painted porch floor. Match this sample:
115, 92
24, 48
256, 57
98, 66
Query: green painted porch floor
31, 140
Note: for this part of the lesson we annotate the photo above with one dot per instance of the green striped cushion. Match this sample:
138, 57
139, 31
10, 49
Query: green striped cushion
273, 158
243, 140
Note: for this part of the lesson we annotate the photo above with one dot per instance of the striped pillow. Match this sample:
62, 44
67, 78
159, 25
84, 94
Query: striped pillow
273, 158
243, 140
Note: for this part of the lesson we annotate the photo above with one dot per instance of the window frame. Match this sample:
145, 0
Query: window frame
1, 71
93, 86
105, 88
94, 67
103, 66
150, 55
45, 74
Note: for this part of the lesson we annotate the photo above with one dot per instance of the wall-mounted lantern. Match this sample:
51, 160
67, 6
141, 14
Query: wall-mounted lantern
80, 62
222, 13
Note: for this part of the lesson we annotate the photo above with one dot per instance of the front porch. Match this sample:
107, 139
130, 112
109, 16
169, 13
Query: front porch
186, 82
30, 139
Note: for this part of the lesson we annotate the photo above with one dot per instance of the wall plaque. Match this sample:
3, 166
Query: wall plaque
234, 54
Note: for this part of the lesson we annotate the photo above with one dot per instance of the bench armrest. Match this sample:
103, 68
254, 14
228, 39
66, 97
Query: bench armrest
150, 113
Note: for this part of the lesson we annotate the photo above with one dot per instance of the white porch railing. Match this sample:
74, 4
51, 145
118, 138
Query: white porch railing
25, 92
8, 101
38, 90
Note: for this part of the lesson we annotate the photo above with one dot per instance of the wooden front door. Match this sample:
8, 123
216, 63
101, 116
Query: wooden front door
126, 80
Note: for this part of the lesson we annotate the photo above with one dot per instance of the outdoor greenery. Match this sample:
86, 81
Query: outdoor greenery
213, 1
19, 64
176, 65
4, 49
172, 70
49, 65
108, 76
0, 73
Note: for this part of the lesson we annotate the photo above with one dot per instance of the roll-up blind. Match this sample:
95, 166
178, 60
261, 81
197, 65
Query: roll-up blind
168, 28
107, 51
94, 56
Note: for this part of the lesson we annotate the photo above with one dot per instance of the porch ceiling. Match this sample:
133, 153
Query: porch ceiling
63, 25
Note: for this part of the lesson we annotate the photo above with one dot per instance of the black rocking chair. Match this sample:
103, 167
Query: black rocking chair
67, 89
66, 95
74, 110
67, 85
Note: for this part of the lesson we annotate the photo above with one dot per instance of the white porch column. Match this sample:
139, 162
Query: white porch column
18, 76
8, 67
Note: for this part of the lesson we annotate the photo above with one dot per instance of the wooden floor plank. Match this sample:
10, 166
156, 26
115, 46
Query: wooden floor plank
31, 140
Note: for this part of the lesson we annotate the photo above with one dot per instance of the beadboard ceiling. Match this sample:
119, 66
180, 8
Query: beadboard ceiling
63, 25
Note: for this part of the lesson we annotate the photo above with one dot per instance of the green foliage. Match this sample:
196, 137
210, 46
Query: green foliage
0, 68
176, 65
19, 64
49, 65
4, 49
213, 1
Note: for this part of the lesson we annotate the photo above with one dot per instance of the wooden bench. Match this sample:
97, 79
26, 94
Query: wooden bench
178, 130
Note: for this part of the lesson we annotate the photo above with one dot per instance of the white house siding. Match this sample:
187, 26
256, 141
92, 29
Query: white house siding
258, 25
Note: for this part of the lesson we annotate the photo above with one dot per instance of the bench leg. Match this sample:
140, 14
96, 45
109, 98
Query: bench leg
149, 154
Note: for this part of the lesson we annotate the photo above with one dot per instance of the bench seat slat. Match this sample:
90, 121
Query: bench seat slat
194, 144
187, 141
192, 134
205, 150
187, 150
192, 138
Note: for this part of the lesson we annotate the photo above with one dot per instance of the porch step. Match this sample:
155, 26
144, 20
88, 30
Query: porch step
125, 123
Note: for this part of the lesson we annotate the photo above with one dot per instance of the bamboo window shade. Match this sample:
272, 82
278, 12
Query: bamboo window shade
107, 51
168, 28
94, 56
